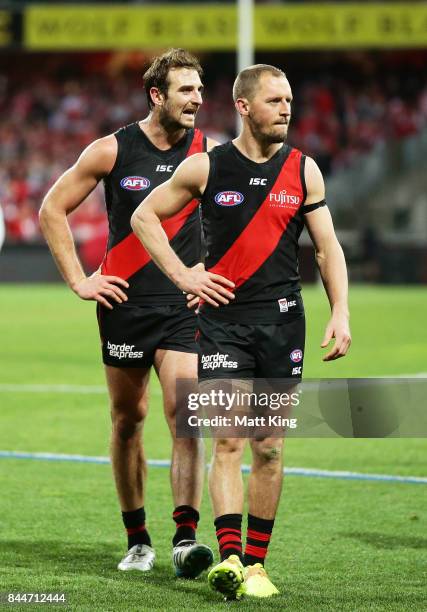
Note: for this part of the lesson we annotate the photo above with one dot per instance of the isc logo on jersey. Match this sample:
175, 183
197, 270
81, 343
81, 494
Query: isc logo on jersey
284, 305
229, 198
135, 183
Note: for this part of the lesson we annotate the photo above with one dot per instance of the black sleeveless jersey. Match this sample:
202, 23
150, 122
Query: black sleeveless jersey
140, 167
252, 219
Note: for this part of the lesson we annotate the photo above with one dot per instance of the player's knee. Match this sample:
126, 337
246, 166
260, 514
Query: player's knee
267, 453
170, 411
125, 425
228, 448
189, 445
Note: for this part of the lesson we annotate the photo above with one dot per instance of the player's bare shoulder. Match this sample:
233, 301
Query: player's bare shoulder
99, 157
192, 174
76, 183
314, 182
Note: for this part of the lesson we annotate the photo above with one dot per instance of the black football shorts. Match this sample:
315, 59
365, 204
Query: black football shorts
238, 350
131, 333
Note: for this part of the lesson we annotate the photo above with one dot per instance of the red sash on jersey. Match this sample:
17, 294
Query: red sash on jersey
261, 236
129, 256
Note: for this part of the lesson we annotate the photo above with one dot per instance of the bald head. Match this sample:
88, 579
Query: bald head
248, 79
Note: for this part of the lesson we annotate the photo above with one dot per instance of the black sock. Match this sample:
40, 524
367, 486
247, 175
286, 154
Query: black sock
257, 539
229, 534
134, 521
186, 519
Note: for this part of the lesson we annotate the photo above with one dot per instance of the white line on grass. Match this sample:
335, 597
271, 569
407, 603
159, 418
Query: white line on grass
417, 375
42, 388
101, 389
18, 388
290, 471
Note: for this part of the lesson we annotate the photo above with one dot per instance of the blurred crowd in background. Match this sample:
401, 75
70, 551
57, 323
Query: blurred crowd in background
52, 108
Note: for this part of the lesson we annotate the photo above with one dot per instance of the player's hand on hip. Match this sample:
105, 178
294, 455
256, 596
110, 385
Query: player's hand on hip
212, 288
338, 328
192, 301
103, 289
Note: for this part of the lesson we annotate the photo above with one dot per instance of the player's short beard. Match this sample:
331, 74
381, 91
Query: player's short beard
166, 119
274, 138
264, 136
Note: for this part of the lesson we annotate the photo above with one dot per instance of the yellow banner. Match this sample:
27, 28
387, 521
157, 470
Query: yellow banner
130, 27
6, 36
344, 26
213, 27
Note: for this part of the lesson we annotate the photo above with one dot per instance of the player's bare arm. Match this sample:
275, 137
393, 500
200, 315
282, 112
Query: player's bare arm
188, 182
331, 262
69, 191
193, 300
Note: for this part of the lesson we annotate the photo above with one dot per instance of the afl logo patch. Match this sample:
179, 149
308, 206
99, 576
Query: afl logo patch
296, 355
135, 183
229, 198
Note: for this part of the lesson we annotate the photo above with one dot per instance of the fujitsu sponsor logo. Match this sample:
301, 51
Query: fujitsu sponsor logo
284, 200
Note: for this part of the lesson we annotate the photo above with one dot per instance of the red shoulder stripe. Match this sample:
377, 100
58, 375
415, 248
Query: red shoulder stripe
129, 256
261, 236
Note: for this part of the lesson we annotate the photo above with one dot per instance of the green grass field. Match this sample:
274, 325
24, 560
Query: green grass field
337, 545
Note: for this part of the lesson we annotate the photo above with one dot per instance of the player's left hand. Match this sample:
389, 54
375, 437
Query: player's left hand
338, 328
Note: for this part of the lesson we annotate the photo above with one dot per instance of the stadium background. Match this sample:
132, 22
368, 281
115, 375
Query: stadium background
69, 74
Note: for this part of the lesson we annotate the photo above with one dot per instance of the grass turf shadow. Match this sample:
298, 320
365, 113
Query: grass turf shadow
385, 541
69, 561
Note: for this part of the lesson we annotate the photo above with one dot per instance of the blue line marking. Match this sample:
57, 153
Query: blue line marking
165, 463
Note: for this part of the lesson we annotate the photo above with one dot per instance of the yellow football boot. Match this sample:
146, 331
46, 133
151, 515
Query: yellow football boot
257, 583
227, 578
